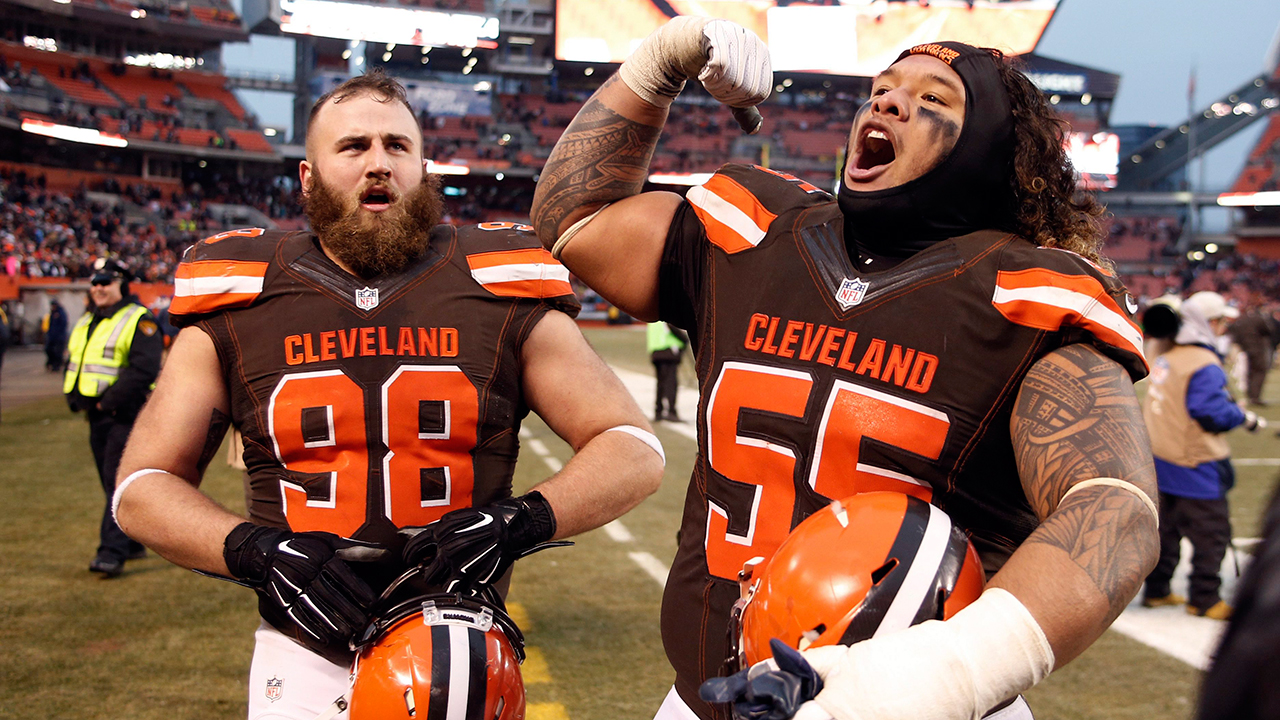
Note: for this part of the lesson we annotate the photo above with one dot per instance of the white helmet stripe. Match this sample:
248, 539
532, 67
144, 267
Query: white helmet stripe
918, 585
459, 672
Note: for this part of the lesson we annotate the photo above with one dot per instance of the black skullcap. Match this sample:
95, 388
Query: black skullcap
967, 191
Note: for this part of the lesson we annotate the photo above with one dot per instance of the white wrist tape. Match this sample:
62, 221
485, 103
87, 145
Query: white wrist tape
574, 229
985, 654
730, 61
119, 493
1123, 485
673, 53
643, 436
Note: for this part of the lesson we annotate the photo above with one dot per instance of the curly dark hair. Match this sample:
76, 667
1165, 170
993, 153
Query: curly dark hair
376, 82
1047, 208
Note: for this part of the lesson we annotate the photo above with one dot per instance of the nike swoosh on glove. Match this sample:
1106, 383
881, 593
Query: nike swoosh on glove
739, 72
472, 547
306, 575
769, 690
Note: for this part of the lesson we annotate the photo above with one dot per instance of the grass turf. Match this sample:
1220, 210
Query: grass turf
161, 642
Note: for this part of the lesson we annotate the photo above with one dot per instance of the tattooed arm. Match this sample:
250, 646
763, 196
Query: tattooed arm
1077, 418
603, 157
178, 433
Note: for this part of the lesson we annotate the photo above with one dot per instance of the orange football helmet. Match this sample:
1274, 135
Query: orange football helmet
863, 566
436, 657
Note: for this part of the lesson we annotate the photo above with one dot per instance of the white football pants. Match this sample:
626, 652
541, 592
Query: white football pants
289, 682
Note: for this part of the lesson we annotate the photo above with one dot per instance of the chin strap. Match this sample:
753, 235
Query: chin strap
336, 708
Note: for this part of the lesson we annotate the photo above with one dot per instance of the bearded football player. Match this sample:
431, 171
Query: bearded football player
379, 368
944, 327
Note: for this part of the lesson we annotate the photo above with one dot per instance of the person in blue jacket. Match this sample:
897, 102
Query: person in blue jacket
1188, 409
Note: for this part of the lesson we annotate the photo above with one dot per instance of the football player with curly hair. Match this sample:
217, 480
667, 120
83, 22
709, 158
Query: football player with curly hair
943, 326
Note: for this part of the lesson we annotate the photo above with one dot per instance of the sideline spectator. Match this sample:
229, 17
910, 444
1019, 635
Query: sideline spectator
666, 347
4, 335
55, 337
1187, 409
1256, 333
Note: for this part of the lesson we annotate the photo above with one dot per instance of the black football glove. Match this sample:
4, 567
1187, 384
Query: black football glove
762, 693
472, 547
306, 575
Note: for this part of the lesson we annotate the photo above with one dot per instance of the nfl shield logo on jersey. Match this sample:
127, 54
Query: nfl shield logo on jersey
275, 688
851, 292
367, 298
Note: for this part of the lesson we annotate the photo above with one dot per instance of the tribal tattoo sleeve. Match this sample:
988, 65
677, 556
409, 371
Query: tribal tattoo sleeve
1077, 418
601, 157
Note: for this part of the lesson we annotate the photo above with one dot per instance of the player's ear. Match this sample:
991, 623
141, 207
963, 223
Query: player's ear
304, 176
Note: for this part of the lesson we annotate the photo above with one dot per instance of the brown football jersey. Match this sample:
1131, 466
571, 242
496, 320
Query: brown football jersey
371, 405
819, 381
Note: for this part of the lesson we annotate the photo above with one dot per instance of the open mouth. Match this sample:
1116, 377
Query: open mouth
877, 150
376, 199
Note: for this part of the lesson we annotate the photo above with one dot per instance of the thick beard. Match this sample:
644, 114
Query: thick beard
373, 244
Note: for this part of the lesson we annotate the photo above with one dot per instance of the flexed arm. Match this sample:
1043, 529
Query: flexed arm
588, 208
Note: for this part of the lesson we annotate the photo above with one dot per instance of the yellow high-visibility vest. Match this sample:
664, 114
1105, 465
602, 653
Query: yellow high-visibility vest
96, 361
660, 337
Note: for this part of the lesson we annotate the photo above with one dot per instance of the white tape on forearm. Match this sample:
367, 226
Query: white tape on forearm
643, 436
938, 670
574, 229
115, 498
1123, 485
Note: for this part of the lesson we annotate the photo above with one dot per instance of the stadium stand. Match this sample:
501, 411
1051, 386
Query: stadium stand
211, 87
143, 88
1262, 170
136, 102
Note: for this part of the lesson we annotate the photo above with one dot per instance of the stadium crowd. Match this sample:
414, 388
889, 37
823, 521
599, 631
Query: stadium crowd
47, 233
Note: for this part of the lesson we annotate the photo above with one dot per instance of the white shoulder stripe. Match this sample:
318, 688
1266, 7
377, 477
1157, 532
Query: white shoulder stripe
1088, 307
918, 585
188, 287
517, 272
726, 212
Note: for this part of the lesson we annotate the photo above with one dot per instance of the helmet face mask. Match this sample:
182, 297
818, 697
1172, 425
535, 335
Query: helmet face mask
439, 656
864, 566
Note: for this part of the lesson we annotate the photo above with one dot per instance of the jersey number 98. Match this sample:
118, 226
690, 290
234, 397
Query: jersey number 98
426, 419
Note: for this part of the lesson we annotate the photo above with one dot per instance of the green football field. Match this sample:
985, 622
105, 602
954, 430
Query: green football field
162, 642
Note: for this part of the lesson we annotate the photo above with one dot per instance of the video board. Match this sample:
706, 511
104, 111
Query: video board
387, 24
855, 37
1096, 157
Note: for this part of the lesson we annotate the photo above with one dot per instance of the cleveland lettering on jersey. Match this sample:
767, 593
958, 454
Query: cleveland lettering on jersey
370, 341
903, 366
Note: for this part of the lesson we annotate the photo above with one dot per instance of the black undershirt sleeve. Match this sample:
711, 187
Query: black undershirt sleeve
683, 271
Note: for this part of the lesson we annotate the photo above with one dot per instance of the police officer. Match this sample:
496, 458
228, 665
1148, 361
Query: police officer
114, 353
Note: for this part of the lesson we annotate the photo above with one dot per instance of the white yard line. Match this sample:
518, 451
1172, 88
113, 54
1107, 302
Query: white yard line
1254, 462
618, 532
651, 565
